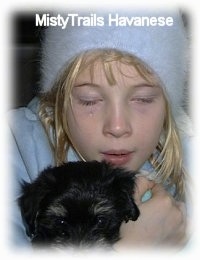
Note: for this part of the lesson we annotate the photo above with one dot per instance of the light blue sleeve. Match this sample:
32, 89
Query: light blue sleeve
29, 153
19, 173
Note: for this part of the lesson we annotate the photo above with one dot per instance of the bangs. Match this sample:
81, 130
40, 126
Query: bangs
106, 57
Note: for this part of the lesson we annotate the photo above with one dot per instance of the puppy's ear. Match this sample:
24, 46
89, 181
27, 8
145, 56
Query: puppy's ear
124, 186
29, 204
130, 210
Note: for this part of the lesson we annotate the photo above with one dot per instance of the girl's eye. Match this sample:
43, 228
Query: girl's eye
141, 100
89, 102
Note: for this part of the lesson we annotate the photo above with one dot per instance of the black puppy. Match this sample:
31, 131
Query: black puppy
78, 204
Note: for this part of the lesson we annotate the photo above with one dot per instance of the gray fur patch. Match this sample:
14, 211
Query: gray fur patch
103, 207
57, 209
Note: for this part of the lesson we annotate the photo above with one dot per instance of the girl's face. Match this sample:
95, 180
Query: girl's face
121, 123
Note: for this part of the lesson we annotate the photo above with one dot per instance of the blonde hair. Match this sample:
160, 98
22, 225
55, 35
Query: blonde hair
167, 160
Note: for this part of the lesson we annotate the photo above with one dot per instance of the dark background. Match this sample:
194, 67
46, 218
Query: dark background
26, 59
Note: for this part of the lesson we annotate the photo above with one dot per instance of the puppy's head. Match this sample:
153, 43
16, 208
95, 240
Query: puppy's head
78, 203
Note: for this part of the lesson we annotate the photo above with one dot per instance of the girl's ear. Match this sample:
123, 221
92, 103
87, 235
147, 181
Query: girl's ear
29, 204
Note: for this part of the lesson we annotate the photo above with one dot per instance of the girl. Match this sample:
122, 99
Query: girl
113, 93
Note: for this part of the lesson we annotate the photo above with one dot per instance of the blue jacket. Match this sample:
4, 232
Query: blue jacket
31, 153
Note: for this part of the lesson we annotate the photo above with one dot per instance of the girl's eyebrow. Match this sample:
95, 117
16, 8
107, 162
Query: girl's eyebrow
89, 84
144, 84
139, 85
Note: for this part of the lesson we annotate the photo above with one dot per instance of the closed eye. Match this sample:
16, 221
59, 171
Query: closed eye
89, 102
143, 100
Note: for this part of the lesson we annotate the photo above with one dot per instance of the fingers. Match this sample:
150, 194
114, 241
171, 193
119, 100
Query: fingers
142, 186
161, 213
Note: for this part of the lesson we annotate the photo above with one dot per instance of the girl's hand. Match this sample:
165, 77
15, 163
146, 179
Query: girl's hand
162, 220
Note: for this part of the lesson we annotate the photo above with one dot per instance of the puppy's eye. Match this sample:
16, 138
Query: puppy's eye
61, 221
101, 221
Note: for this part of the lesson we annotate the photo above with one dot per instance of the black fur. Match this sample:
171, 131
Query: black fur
78, 203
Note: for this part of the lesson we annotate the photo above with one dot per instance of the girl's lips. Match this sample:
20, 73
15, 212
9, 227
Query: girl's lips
117, 157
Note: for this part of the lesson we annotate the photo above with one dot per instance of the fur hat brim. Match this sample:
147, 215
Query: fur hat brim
163, 48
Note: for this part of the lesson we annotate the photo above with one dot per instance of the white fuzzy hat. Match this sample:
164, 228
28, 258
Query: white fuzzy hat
163, 48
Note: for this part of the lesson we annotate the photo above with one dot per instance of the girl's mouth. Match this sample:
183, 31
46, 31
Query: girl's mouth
117, 157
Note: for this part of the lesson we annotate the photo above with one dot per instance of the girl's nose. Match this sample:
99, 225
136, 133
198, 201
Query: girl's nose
117, 123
